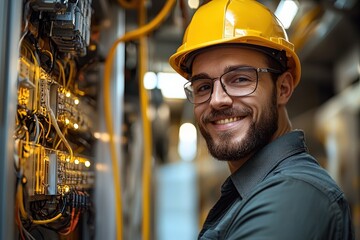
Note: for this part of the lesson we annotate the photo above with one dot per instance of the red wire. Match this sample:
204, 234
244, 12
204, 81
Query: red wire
71, 223
76, 221
18, 221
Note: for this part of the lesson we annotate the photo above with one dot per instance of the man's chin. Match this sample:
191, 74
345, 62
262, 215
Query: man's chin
228, 150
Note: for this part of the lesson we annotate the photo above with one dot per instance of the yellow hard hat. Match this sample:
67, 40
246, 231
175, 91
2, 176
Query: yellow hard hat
234, 21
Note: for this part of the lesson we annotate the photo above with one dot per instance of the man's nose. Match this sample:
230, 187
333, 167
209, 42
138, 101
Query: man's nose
219, 98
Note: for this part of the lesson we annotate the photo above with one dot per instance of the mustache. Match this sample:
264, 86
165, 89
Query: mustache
230, 112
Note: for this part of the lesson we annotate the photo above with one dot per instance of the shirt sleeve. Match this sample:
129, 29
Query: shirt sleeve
288, 208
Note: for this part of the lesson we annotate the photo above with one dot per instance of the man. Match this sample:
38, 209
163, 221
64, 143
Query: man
242, 71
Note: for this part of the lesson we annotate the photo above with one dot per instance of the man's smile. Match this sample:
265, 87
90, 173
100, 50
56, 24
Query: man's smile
227, 120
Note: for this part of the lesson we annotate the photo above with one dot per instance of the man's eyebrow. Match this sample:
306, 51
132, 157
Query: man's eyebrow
199, 76
206, 76
233, 67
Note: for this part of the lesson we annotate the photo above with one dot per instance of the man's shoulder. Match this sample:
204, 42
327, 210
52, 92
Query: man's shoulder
297, 188
304, 170
289, 207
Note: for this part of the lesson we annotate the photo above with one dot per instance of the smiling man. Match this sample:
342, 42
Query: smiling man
242, 71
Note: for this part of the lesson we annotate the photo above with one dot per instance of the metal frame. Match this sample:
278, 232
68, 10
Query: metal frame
10, 36
10, 31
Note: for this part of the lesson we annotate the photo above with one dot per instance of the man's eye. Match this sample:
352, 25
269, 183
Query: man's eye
201, 87
240, 79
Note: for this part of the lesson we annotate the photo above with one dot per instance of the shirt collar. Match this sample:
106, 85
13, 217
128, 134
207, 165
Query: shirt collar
264, 161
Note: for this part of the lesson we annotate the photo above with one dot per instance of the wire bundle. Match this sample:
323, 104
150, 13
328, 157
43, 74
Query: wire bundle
63, 219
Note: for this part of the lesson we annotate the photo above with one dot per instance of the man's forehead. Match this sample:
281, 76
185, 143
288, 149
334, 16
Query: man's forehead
238, 48
224, 59
231, 51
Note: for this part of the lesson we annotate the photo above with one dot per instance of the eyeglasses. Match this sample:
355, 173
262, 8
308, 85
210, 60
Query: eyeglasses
237, 82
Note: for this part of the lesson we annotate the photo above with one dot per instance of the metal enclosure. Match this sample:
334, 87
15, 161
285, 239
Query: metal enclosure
10, 31
9, 34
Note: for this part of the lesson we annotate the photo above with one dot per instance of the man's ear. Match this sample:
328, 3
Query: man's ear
285, 87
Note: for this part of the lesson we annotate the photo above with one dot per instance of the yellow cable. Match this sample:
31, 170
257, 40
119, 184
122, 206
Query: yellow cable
60, 140
107, 103
304, 27
140, 31
57, 145
49, 126
77, 90
129, 4
55, 124
19, 197
46, 221
146, 179
113, 152
50, 55
71, 72
27, 137
41, 133
61, 73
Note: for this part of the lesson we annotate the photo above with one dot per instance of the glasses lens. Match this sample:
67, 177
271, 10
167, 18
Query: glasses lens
198, 91
240, 82
189, 92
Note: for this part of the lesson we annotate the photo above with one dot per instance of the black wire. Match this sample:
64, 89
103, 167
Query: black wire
35, 230
59, 225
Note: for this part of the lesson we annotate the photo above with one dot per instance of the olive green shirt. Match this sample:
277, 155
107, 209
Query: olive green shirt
280, 193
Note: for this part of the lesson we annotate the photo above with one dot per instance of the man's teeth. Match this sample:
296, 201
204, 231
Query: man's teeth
227, 120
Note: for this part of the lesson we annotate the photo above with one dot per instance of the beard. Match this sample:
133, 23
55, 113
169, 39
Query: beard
257, 136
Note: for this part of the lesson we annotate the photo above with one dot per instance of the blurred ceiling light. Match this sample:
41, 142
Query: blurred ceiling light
187, 132
187, 141
171, 85
163, 111
102, 136
151, 112
286, 12
193, 4
150, 80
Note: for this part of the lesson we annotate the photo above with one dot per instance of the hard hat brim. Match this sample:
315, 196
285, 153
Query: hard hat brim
178, 61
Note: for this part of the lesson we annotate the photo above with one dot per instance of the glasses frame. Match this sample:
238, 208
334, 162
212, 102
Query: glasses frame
257, 70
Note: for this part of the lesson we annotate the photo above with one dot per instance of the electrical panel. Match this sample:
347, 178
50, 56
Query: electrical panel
55, 122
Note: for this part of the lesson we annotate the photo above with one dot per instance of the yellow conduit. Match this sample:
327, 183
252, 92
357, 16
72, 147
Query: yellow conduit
107, 108
129, 4
304, 26
19, 198
147, 170
46, 221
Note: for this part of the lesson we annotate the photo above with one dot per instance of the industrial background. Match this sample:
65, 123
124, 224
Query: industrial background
97, 140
